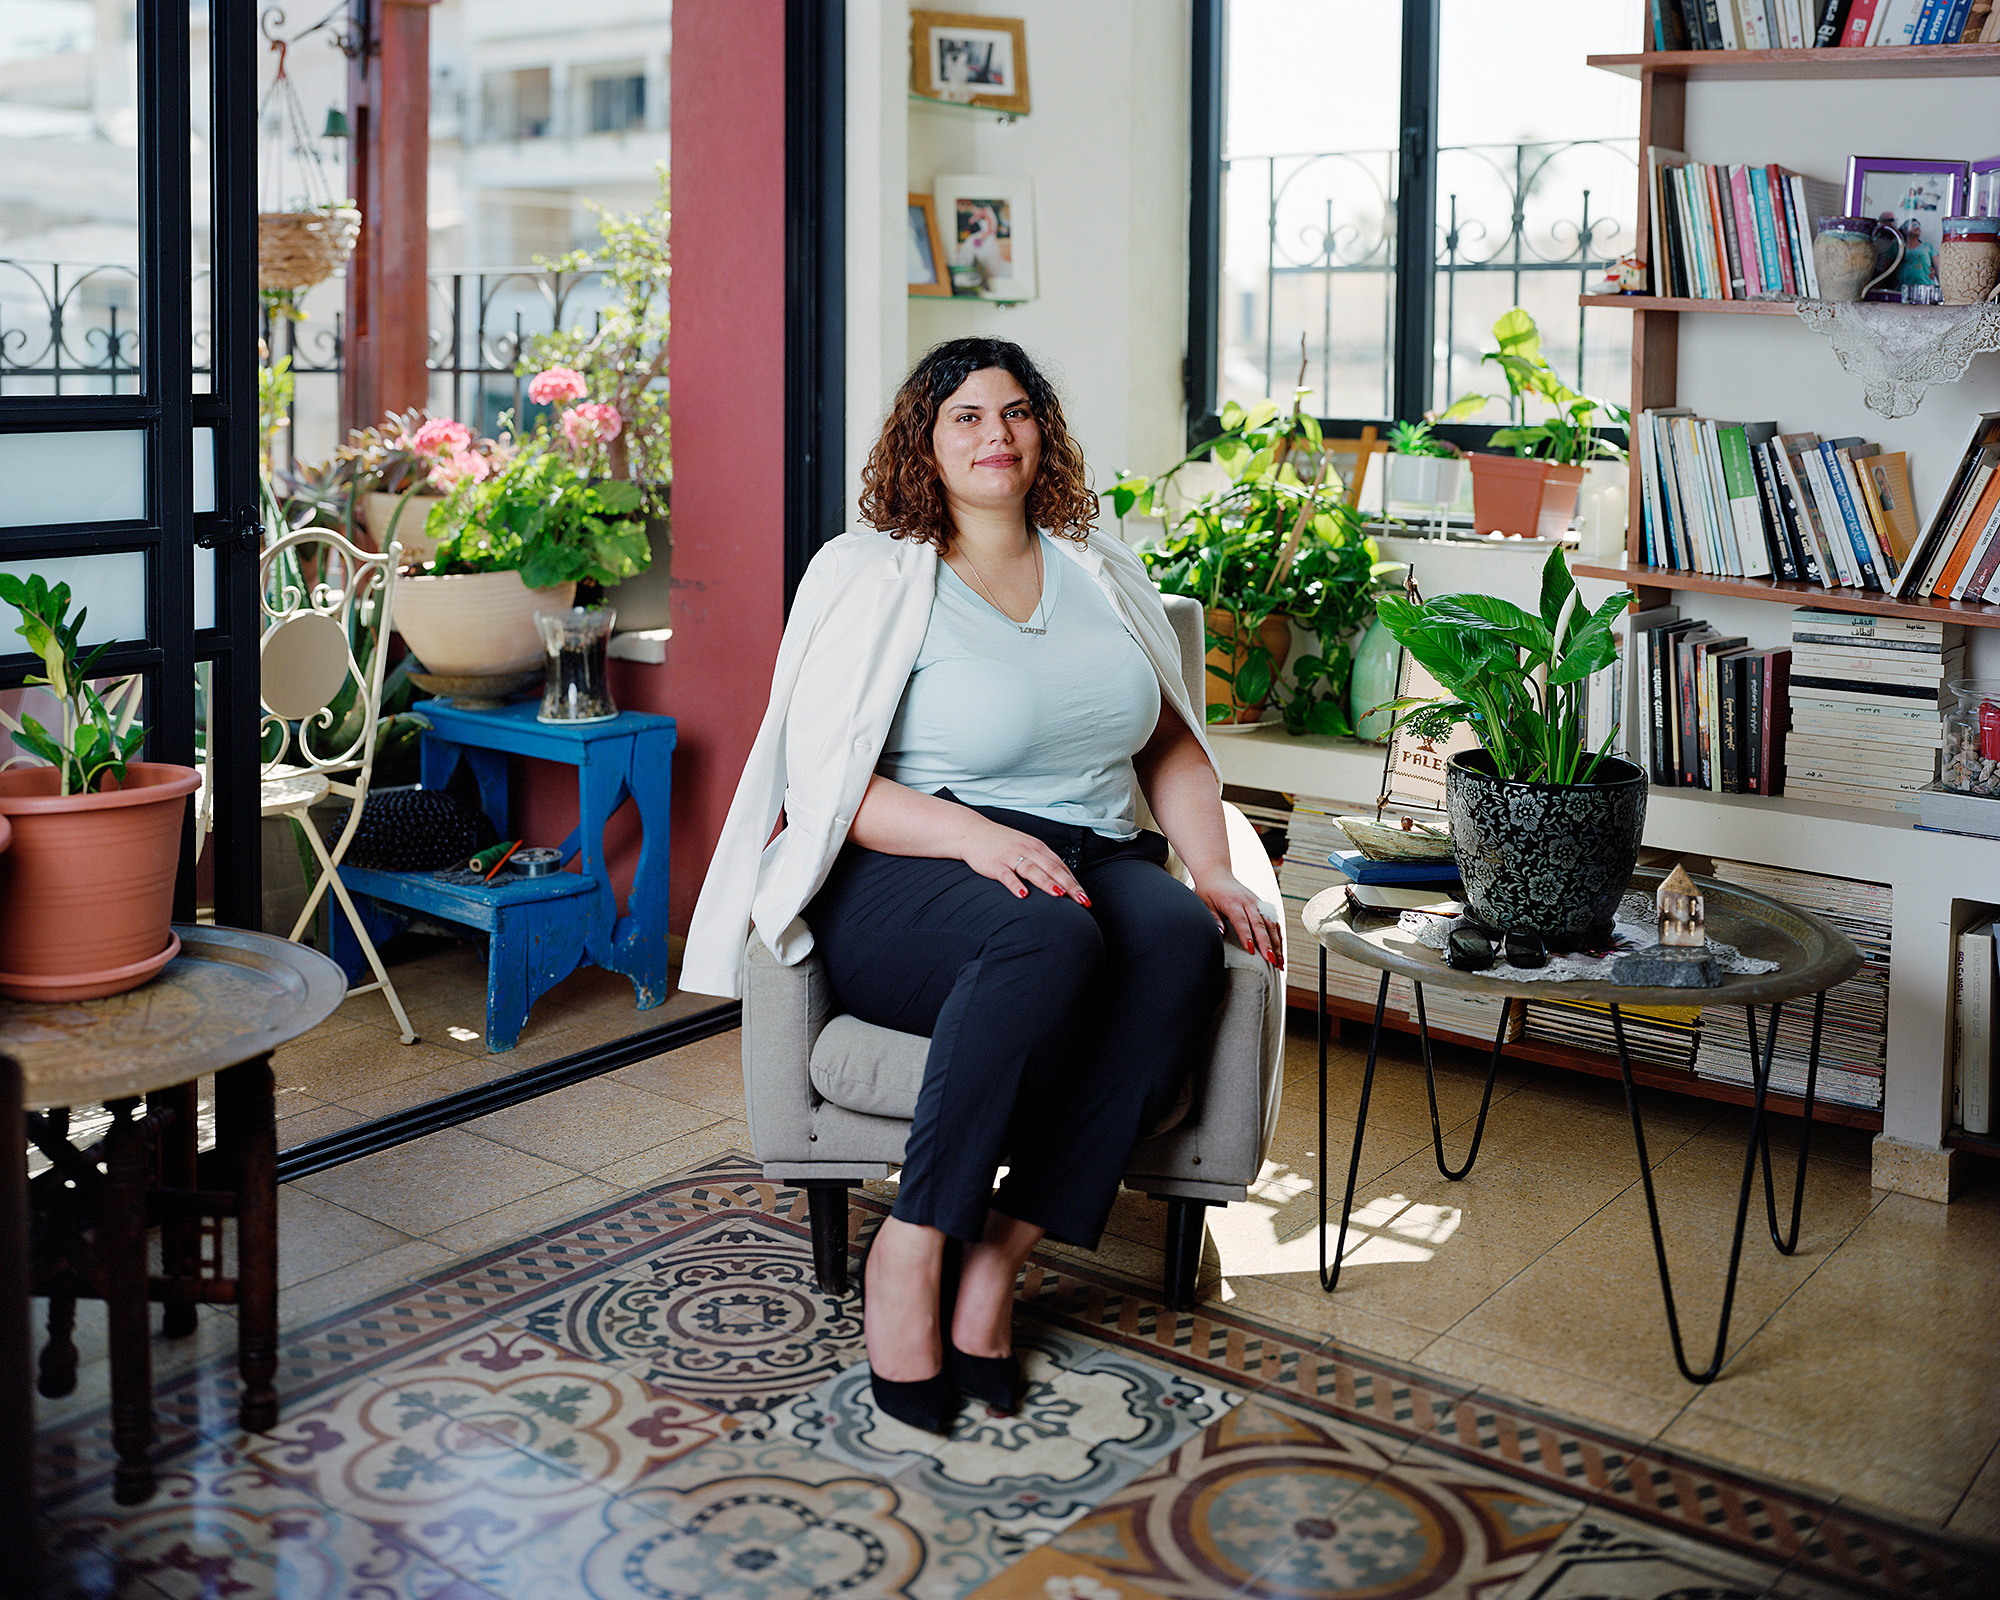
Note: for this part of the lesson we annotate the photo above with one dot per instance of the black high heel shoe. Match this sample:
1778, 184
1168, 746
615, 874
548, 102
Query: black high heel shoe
931, 1404
996, 1380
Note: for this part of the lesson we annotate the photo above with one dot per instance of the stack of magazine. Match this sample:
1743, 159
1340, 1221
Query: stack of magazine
1655, 1036
1855, 1037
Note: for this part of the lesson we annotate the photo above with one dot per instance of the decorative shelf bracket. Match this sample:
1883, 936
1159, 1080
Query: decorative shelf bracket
1899, 351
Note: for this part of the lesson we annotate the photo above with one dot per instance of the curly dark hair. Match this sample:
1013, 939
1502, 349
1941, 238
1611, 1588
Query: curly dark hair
902, 492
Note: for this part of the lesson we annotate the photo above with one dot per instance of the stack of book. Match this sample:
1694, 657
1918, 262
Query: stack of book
1855, 1034
1742, 500
1958, 557
1714, 712
1818, 24
1657, 1036
1868, 695
1734, 232
1975, 989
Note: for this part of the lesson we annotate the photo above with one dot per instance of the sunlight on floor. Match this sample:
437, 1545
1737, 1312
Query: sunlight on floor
1388, 1229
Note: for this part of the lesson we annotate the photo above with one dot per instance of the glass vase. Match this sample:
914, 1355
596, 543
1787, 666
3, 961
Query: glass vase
1376, 657
1972, 738
576, 685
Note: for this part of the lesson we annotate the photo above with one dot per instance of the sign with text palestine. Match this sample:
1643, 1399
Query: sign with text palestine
1415, 775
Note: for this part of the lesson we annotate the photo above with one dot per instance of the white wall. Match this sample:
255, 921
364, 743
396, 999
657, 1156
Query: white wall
1106, 144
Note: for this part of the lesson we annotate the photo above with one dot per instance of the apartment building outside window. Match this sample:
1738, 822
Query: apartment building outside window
517, 103
614, 98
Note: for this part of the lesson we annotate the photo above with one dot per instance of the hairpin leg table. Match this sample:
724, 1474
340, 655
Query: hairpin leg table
1812, 956
222, 1005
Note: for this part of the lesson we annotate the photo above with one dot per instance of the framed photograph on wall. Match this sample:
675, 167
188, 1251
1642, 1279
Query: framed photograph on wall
989, 225
1913, 197
968, 60
928, 267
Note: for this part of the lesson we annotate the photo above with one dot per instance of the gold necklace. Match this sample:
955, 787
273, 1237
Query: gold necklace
1041, 592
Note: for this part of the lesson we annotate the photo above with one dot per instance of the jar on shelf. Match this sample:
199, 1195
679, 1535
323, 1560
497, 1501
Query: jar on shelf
576, 684
1969, 259
1845, 259
1972, 738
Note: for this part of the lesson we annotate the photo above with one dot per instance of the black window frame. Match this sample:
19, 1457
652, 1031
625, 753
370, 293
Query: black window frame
1414, 332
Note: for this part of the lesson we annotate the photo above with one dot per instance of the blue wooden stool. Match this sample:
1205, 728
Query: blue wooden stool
539, 930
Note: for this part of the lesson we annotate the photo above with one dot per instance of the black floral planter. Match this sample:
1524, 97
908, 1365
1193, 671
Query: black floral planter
1548, 859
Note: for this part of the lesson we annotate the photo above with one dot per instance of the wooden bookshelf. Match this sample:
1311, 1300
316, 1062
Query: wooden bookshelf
1599, 1065
1654, 584
1902, 61
1980, 1144
1654, 302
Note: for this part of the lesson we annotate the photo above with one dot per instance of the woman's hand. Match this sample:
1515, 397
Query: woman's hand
1018, 861
1241, 914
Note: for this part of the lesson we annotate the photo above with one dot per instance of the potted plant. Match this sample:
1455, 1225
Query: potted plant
1544, 830
1533, 492
87, 890
517, 540
622, 363
396, 474
1424, 470
1269, 547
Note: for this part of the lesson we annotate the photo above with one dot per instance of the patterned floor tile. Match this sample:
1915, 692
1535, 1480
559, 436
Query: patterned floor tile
1053, 1574
222, 1526
1608, 1558
1271, 1501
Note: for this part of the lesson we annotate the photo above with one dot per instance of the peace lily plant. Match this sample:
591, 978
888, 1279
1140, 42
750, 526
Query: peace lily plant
1514, 677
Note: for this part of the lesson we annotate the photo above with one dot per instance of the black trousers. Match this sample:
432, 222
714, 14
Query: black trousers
1058, 1034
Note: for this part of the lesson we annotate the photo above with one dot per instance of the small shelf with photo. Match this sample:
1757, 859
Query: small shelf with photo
978, 63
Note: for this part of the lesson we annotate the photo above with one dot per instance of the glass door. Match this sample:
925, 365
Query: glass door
128, 387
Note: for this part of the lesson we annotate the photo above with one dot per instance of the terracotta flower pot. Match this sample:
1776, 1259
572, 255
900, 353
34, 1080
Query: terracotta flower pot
1559, 491
471, 624
87, 891
378, 512
1274, 633
1529, 499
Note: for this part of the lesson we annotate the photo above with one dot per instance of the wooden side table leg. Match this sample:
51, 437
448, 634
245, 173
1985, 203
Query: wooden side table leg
180, 1230
249, 1089
17, 1402
121, 1257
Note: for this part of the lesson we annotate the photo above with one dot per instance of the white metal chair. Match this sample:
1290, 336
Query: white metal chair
322, 597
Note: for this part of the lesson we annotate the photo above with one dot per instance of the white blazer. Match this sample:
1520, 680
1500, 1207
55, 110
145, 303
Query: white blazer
856, 627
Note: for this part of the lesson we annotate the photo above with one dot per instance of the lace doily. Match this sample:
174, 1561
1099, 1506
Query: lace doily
1899, 351
1634, 926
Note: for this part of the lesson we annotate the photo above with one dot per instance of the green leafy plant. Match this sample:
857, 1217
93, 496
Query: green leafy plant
1418, 439
93, 743
1513, 677
539, 515
1570, 436
1272, 540
623, 359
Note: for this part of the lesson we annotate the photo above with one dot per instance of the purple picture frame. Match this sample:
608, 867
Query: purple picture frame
1913, 192
1983, 188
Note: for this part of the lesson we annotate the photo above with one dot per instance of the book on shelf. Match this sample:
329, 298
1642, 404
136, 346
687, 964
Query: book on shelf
1953, 811
1867, 697
1818, 24
1733, 230
1713, 713
1975, 989
1971, 493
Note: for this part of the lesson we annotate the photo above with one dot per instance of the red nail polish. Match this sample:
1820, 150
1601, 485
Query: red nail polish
1082, 898
1022, 893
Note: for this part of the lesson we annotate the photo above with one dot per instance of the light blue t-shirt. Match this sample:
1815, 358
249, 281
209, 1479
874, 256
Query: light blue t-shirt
1047, 724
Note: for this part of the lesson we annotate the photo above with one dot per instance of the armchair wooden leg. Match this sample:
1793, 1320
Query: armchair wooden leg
826, 1205
1187, 1227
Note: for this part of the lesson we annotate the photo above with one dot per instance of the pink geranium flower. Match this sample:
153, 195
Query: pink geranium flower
558, 386
451, 469
593, 422
441, 436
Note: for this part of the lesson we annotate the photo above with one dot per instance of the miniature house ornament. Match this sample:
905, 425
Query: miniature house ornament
1681, 960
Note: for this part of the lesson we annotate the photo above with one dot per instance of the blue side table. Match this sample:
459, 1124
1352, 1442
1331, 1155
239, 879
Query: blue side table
539, 930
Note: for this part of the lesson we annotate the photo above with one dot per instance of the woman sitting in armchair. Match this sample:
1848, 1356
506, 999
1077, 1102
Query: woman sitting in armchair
983, 747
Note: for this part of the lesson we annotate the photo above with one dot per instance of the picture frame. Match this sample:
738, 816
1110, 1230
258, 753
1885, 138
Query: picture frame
1914, 196
928, 270
989, 223
961, 59
1983, 195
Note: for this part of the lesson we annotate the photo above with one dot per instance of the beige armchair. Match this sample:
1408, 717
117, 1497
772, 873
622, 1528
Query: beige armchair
830, 1097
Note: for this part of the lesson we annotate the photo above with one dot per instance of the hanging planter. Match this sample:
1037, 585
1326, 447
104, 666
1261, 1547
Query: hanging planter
306, 243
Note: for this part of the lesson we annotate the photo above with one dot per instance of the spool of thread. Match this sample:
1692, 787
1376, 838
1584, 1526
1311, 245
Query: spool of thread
538, 861
489, 858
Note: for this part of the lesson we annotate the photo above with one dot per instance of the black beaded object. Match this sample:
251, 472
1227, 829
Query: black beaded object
413, 830
1525, 950
1468, 951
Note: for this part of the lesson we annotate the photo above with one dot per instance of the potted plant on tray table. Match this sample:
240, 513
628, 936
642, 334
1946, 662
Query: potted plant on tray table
87, 890
1545, 831
1273, 544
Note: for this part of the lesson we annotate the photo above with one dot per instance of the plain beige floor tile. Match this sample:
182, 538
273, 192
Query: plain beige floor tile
1617, 1242
316, 1236
1707, 1172
708, 1073
451, 1076
1511, 1203
518, 1219
435, 1181
655, 1165
307, 1302
317, 1123
1521, 1377
290, 1102
1295, 1302
333, 1067
592, 1124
